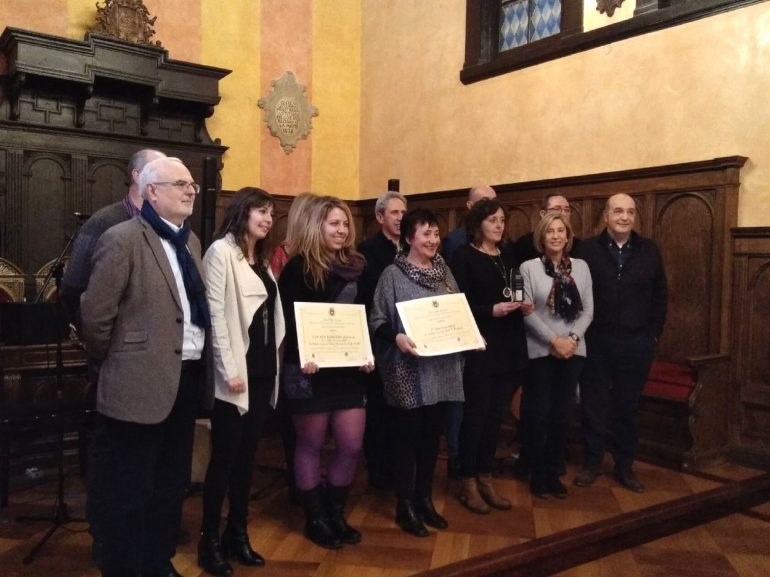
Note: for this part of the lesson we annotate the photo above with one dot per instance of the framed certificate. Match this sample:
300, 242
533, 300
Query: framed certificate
332, 335
440, 325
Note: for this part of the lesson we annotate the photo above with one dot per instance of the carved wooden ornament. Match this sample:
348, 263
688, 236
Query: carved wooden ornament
608, 6
125, 20
288, 113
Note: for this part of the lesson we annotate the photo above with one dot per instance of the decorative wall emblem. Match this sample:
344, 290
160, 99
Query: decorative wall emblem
608, 6
288, 113
125, 20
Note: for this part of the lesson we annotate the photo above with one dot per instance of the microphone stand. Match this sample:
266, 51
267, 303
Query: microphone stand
61, 515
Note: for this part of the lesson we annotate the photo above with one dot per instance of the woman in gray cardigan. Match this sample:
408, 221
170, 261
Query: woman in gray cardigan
418, 388
560, 288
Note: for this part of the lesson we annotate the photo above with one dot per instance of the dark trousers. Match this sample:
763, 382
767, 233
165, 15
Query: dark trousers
415, 434
486, 400
139, 475
549, 388
610, 387
234, 439
376, 442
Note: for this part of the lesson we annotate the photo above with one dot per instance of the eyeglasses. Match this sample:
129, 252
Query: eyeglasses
561, 209
181, 185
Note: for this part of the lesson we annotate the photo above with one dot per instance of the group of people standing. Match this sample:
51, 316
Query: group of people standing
168, 332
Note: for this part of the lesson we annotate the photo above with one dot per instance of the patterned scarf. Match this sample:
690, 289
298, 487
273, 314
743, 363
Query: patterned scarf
430, 278
193, 284
564, 299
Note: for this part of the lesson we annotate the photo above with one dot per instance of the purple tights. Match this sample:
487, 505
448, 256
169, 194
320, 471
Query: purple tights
347, 428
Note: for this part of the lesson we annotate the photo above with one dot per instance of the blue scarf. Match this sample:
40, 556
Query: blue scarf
193, 284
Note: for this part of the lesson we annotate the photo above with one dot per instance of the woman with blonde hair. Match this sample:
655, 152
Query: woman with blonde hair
324, 267
560, 289
295, 220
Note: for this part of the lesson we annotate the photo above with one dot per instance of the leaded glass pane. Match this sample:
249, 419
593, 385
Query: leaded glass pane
513, 24
546, 18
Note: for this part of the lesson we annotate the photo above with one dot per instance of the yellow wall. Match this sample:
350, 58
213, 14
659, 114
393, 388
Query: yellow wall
320, 39
692, 92
385, 77
337, 94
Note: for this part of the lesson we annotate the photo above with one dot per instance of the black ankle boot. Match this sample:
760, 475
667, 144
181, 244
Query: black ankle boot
336, 499
210, 557
235, 544
317, 527
426, 510
408, 519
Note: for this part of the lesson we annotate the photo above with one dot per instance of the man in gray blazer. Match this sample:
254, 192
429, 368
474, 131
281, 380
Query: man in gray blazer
144, 316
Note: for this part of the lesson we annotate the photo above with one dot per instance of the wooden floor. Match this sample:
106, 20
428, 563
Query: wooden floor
734, 546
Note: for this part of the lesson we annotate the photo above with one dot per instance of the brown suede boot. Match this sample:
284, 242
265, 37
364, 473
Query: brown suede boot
488, 493
471, 498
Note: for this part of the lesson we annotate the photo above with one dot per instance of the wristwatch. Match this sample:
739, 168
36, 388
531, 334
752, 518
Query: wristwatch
574, 337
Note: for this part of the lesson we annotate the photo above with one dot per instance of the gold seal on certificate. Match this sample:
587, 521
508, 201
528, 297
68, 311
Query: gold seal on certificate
332, 335
440, 325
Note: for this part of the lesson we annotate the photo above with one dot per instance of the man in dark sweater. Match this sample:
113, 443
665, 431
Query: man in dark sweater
78, 270
630, 300
379, 251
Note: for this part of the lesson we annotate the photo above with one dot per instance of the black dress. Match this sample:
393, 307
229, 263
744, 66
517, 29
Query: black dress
329, 389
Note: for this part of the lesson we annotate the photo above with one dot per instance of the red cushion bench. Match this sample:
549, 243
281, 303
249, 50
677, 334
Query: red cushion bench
683, 413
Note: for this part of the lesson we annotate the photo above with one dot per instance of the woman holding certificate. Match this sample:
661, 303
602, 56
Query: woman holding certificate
247, 329
323, 268
560, 288
487, 273
416, 387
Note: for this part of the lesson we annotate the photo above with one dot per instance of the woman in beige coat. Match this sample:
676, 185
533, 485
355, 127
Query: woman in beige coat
247, 331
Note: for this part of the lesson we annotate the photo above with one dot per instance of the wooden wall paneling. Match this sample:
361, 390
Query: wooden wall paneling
750, 399
73, 114
106, 182
684, 227
46, 201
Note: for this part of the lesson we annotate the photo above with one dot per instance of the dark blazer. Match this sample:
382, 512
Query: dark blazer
379, 252
133, 322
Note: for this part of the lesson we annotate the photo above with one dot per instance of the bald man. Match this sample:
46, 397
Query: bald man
630, 299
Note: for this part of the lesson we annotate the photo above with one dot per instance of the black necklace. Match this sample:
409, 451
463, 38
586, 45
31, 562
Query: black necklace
507, 276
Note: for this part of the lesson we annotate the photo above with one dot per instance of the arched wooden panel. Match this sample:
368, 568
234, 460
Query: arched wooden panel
45, 209
684, 234
518, 222
109, 181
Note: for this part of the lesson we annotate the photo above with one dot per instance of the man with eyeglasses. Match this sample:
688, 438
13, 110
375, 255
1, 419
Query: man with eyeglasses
78, 272
524, 247
144, 317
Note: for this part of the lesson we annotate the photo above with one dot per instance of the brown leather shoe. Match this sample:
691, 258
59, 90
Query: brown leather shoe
490, 495
586, 477
629, 480
471, 498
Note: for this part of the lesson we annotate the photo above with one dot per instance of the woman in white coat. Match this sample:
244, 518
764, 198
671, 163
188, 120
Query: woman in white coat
247, 331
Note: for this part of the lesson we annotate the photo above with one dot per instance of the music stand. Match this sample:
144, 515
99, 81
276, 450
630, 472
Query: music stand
56, 325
